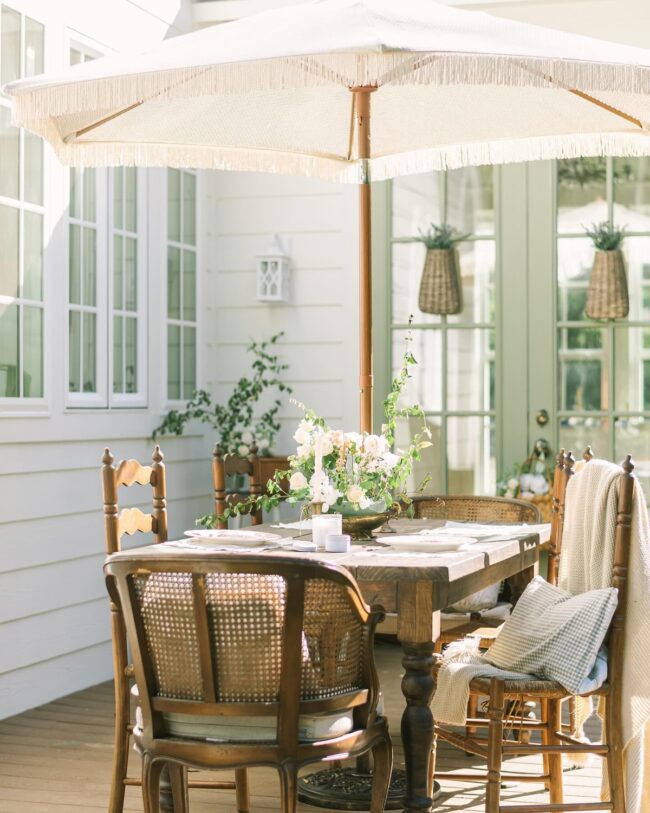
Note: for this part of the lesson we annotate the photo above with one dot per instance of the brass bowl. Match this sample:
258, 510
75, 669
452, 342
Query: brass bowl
361, 527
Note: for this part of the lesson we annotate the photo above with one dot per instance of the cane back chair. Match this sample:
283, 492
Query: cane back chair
116, 524
468, 508
550, 694
229, 641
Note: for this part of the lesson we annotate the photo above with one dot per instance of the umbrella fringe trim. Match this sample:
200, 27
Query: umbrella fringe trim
32, 105
381, 168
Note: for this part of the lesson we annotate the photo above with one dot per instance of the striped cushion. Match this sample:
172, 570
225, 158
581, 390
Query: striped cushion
553, 634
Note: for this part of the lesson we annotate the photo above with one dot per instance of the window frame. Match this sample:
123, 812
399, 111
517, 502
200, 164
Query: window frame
21, 405
139, 398
172, 403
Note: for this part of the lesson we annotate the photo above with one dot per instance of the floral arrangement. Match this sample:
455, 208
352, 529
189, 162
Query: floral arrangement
237, 427
346, 472
523, 484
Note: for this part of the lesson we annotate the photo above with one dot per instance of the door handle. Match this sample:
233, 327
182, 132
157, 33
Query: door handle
542, 417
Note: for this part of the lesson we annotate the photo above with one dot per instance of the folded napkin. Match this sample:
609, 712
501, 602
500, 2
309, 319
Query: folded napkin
301, 525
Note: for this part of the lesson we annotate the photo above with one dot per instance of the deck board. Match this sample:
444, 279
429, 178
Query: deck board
58, 757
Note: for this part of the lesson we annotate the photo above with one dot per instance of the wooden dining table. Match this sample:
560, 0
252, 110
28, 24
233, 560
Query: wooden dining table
417, 586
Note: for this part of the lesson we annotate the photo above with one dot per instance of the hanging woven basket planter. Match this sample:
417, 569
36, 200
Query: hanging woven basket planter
607, 295
441, 291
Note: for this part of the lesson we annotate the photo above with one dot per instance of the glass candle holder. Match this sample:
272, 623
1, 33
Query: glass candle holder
324, 524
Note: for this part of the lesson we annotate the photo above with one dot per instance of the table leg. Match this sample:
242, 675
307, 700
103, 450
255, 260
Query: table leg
520, 581
417, 724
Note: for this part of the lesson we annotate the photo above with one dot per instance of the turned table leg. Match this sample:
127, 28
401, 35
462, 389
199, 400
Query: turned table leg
418, 628
417, 724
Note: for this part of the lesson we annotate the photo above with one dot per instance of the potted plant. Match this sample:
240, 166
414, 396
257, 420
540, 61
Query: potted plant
607, 296
238, 424
441, 290
357, 475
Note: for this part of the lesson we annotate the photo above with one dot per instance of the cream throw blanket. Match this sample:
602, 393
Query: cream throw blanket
586, 564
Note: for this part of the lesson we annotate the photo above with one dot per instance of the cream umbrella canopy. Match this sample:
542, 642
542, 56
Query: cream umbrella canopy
292, 90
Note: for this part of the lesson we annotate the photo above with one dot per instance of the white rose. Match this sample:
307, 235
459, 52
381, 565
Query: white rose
303, 451
390, 459
513, 484
326, 444
375, 445
297, 481
301, 436
331, 494
355, 437
242, 450
525, 482
538, 484
337, 437
247, 437
355, 494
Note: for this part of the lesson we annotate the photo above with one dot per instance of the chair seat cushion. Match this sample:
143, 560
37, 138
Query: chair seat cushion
311, 727
556, 636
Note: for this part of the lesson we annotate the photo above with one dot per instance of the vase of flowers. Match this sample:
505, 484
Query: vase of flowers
358, 475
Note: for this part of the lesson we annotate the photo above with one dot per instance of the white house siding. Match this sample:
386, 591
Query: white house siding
54, 624
317, 223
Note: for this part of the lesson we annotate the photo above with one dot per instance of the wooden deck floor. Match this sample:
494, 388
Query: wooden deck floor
57, 758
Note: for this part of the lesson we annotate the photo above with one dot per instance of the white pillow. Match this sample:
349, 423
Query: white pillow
555, 635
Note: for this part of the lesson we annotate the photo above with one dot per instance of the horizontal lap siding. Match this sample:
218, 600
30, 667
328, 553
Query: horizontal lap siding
54, 618
317, 224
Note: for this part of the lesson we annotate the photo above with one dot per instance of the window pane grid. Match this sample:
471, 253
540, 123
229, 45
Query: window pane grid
125, 282
455, 378
181, 284
21, 220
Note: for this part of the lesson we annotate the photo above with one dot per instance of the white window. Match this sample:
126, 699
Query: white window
21, 222
128, 288
181, 285
107, 284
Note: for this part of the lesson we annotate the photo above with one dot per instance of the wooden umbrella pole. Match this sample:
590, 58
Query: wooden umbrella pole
362, 107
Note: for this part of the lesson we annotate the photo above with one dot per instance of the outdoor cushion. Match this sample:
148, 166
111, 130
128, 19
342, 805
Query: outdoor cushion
311, 727
555, 635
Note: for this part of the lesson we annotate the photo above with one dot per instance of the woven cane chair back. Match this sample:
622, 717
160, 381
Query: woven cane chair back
466, 508
230, 633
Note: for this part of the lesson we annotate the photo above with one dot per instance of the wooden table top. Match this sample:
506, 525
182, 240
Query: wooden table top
452, 574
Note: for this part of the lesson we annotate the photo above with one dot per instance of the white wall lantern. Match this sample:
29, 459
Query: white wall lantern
273, 273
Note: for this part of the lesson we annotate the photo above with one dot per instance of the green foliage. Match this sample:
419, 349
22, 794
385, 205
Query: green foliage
444, 236
359, 470
590, 171
605, 236
235, 422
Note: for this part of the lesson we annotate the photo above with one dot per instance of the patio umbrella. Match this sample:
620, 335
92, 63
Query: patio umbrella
292, 90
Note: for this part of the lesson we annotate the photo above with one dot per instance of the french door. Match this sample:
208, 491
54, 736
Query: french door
521, 360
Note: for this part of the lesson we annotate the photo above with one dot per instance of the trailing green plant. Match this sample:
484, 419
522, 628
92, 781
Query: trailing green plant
591, 171
237, 426
344, 471
443, 236
606, 236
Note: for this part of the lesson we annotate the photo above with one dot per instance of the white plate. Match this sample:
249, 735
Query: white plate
427, 543
245, 539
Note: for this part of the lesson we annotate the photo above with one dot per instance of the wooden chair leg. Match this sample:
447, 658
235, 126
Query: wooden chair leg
472, 711
179, 788
151, 784
288, 788
556, 790
545, 741
241, 790
122, 713
496, 710
382, 758
615, 771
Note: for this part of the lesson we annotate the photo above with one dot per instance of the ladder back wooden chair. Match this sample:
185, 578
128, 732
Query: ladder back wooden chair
228, 465
118, 523
279, 649
549, 694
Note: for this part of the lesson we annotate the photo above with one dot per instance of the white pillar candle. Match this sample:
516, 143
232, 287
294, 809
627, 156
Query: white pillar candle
322, 525
318, 468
